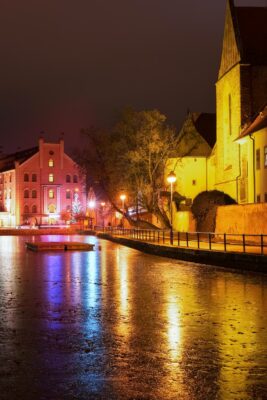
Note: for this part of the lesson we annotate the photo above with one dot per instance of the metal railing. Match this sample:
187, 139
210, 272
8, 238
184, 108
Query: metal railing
226, 242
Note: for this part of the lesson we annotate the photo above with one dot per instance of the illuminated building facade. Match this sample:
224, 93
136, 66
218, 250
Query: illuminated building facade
237, 164
38, 185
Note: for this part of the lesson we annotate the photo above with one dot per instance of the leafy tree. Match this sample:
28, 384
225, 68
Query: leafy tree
132, 157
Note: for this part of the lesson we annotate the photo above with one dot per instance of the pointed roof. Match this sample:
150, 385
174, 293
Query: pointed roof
205, 124
245, 37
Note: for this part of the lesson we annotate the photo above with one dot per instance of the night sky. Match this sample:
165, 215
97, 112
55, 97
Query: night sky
70, 64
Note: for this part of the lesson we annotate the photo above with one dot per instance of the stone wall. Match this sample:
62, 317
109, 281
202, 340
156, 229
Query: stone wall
248, 218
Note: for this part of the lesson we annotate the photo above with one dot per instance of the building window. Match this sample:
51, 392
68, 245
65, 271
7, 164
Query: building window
75, 179
5, 195
26, 177
51, 194
26, 209
34, 178
10, 194
51, 162
34, 194
51, 178
51, 208
265, 156
258, 198
26, 194
258, 159
230, 114
10, 178
34, 209
68, 178
68, 194
194, 182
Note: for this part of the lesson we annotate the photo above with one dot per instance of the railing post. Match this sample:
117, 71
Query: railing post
178, 238
163, 237
244, 243
224, 241
209, 241
198, 240
186, 239
158, 236
262, 245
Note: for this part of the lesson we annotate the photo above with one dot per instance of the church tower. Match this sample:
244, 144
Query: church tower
240, 93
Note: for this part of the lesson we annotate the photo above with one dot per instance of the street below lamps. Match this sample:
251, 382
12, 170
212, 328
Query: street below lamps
171, 179
122, 197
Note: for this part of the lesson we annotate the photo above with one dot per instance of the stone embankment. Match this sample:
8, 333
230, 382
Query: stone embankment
231, 260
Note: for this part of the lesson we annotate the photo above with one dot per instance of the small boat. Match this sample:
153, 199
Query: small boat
62, 246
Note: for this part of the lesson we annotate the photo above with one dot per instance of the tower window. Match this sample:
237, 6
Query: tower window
26, 177
51, 194
34, 194
34, 178
34, 209
68, 178
51, 178
265, 156
26, 194
51, 162
258, 159
26, 209
194, 182
75, 178
68, 194
230, 114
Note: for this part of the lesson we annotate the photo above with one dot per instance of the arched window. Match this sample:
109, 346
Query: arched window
26, 209
26, 194
51, 162
68, 194
68, 178
34, 194
34, 209
34, 178
75, 178
26, 177
51, 177
51, 194
52, 208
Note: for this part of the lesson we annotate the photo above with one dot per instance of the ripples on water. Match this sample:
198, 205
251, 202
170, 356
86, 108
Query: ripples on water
118, 324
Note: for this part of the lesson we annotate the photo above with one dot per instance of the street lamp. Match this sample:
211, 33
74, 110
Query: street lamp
171, 178
91, 206
122, 197
102, 209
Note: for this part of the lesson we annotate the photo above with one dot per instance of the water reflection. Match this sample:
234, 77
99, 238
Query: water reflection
117, 324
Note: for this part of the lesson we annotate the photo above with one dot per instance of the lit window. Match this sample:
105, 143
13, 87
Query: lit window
51, 162
51, 194
75, 179
258, 159
265, 156
68, 194
26, 194
34, 178
34, 209
68, 178
26, 177
51, 178
34, 194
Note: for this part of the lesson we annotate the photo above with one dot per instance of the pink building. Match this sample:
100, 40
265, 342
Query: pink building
40, 186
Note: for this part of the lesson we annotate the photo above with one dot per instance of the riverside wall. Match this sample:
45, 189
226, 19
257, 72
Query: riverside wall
230, 260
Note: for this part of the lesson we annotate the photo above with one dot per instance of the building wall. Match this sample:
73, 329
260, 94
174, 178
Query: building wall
191, 175
247, 218
183, 221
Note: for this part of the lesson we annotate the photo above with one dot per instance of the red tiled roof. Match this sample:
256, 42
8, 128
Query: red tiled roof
7, 162
258, 123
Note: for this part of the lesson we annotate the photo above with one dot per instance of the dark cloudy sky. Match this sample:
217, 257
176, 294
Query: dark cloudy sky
69, 64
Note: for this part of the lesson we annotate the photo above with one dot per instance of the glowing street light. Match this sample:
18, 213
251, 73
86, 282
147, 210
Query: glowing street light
171, 179
122, 197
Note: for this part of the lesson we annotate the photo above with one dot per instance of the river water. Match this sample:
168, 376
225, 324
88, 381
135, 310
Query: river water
114, 323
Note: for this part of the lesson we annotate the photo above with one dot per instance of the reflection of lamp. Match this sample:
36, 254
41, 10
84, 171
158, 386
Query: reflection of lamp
122, 197
171, 178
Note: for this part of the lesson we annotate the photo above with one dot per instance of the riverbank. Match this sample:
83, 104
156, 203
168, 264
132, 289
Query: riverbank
232, 260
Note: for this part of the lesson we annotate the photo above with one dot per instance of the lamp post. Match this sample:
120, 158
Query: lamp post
102, 209
91, 206
171, 178
122, 197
